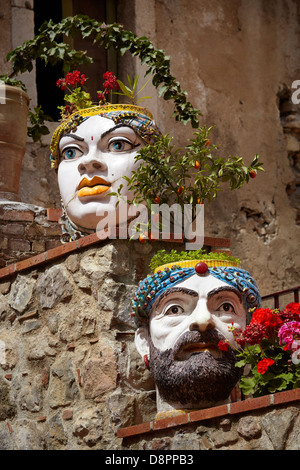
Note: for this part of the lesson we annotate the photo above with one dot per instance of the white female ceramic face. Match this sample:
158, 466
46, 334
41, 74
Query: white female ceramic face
93, 160
199, 302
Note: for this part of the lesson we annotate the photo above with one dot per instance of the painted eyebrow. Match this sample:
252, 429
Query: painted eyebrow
74, 136
77, 137
225, 289
116, 127
173, 290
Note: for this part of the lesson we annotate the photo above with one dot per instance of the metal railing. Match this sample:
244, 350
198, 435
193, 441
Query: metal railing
277, 295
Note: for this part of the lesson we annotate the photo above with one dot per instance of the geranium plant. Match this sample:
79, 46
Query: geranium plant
269, 351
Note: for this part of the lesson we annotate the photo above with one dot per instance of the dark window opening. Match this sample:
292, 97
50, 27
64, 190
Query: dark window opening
49, 96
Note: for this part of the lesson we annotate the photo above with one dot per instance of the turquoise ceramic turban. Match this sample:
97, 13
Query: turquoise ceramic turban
154, 285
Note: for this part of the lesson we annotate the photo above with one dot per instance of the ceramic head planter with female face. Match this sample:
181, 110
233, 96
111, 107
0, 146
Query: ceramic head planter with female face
93, 149
182, 313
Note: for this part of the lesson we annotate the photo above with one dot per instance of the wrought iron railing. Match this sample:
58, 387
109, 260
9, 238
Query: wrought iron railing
277, 295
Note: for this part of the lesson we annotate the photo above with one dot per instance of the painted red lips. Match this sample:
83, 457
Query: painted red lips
95, 186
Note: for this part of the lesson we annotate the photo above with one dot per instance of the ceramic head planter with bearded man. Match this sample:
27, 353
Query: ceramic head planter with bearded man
92, 150
182, 313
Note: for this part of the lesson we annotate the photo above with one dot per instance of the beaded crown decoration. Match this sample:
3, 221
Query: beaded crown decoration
155, 284
140, 119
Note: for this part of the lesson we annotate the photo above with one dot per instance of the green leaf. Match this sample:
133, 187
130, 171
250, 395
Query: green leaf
247, 385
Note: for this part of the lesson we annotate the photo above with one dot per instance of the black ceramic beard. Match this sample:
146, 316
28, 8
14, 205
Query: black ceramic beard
199, 378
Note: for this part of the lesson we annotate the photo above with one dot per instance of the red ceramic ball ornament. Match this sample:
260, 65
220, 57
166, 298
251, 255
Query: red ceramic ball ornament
201, 268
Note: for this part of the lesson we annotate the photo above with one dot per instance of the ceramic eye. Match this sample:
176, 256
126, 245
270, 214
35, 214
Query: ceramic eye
226, 307
174, 310
70, 153
120, 145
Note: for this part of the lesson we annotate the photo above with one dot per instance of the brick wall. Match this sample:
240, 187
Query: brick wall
26, 230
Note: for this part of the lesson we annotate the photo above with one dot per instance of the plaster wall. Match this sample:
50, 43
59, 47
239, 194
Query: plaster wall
236, 60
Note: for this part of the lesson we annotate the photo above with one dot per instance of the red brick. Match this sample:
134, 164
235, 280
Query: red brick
54, 214
16, 215
17, 244
208, 413
38, 246
52, 231
90, 239
61, 250
30, 262
134, 430
13, 229
250, 404
50, 244
223, 242
170, 422
34, 231
4, 272
3, 243
287, 396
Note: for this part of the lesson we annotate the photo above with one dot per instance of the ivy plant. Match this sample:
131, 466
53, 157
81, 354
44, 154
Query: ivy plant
48, 46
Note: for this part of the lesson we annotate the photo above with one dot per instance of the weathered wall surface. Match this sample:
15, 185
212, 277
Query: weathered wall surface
237, 60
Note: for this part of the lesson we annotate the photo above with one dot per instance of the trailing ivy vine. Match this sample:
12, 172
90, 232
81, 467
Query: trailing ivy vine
49, 46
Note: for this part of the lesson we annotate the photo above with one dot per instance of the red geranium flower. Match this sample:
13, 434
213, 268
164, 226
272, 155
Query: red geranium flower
266, 317
61, 83
72, 78
263, 365
110, 82
223, 345
291, 312
254, 333
101, 97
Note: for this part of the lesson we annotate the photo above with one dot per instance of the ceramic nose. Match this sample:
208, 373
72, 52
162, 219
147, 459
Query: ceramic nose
91, 162
201, 318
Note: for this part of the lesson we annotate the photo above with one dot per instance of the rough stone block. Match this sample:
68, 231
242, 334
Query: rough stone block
53, 286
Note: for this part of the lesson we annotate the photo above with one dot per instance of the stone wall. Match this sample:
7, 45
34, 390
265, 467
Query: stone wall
70, 375
265, 423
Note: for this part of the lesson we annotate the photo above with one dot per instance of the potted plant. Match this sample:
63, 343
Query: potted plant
188, 259
269, 351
